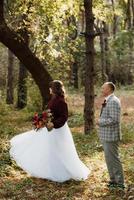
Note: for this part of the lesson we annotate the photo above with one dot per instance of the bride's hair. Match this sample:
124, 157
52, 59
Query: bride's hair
57, 88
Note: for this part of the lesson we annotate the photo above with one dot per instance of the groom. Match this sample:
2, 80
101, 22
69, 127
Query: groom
110, 134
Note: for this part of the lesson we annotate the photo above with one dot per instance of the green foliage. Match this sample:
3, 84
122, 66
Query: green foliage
54, 35
48, 23
121, 43
127, 132
76, 120
87, 145
102, 10
34, 100
121, 52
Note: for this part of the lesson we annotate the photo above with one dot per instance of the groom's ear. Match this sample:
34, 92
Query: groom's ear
112, 86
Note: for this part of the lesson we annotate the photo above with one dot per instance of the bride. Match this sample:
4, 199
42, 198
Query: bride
50, 154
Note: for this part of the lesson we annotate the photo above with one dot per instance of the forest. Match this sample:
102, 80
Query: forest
83, 43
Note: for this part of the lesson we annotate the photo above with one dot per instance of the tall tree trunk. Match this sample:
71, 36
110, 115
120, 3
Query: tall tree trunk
22, 87
103, 56
75, 74
130, 26
102, 46
115, 17
106, 42
2, 10
10, 91
133, 12
129, 15
16, 44
89, 68
74, 66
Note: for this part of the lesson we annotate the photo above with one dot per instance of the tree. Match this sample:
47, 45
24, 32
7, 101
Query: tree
106, 42
130, 17
10, 90
101, 27
115, 17
89, 68
22, 86
16, 44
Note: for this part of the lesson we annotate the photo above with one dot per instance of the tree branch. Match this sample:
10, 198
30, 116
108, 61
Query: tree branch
1, 10
15, 43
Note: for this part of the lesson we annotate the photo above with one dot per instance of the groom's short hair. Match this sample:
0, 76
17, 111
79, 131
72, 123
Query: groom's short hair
111, 85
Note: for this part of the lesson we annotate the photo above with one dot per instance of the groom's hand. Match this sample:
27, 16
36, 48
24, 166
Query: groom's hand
97, 123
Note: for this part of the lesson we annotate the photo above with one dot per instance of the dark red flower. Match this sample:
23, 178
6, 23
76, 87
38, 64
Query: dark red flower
40, 120
44, 115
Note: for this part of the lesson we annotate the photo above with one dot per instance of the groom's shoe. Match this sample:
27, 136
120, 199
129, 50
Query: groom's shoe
120, 186
111, 184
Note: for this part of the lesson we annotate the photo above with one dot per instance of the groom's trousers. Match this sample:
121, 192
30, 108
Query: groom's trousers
113, 161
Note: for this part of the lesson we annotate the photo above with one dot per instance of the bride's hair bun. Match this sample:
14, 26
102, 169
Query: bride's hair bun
57, 87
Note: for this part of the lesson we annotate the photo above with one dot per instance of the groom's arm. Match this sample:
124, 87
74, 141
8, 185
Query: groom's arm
113, 116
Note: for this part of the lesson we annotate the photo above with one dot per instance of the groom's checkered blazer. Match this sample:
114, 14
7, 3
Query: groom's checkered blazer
109, 123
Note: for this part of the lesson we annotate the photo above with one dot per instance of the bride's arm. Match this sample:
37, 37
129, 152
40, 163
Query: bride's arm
62, 112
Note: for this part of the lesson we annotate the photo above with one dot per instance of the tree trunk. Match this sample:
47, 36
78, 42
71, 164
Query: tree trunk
103, 58
10, 91
1, 10
22, 87
129, 15
115, 17
74, 66
89, 68
15, 43
75, 74
133, 12
107, 60
130, 26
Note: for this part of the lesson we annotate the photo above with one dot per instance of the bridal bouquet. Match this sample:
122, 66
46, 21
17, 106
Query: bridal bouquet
41, 120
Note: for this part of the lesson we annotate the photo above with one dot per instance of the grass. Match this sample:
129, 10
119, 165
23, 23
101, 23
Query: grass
15, 184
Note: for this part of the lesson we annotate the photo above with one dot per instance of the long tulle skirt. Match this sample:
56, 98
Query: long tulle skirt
48, 154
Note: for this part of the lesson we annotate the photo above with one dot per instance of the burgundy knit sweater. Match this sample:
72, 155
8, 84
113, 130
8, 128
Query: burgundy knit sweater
59, 109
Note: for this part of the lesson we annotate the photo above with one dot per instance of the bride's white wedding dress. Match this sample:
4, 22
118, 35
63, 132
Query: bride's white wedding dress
48, 154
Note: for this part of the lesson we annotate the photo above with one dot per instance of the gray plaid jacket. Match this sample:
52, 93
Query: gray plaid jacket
109, 122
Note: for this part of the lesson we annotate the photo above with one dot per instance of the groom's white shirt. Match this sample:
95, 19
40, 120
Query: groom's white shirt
106, 98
